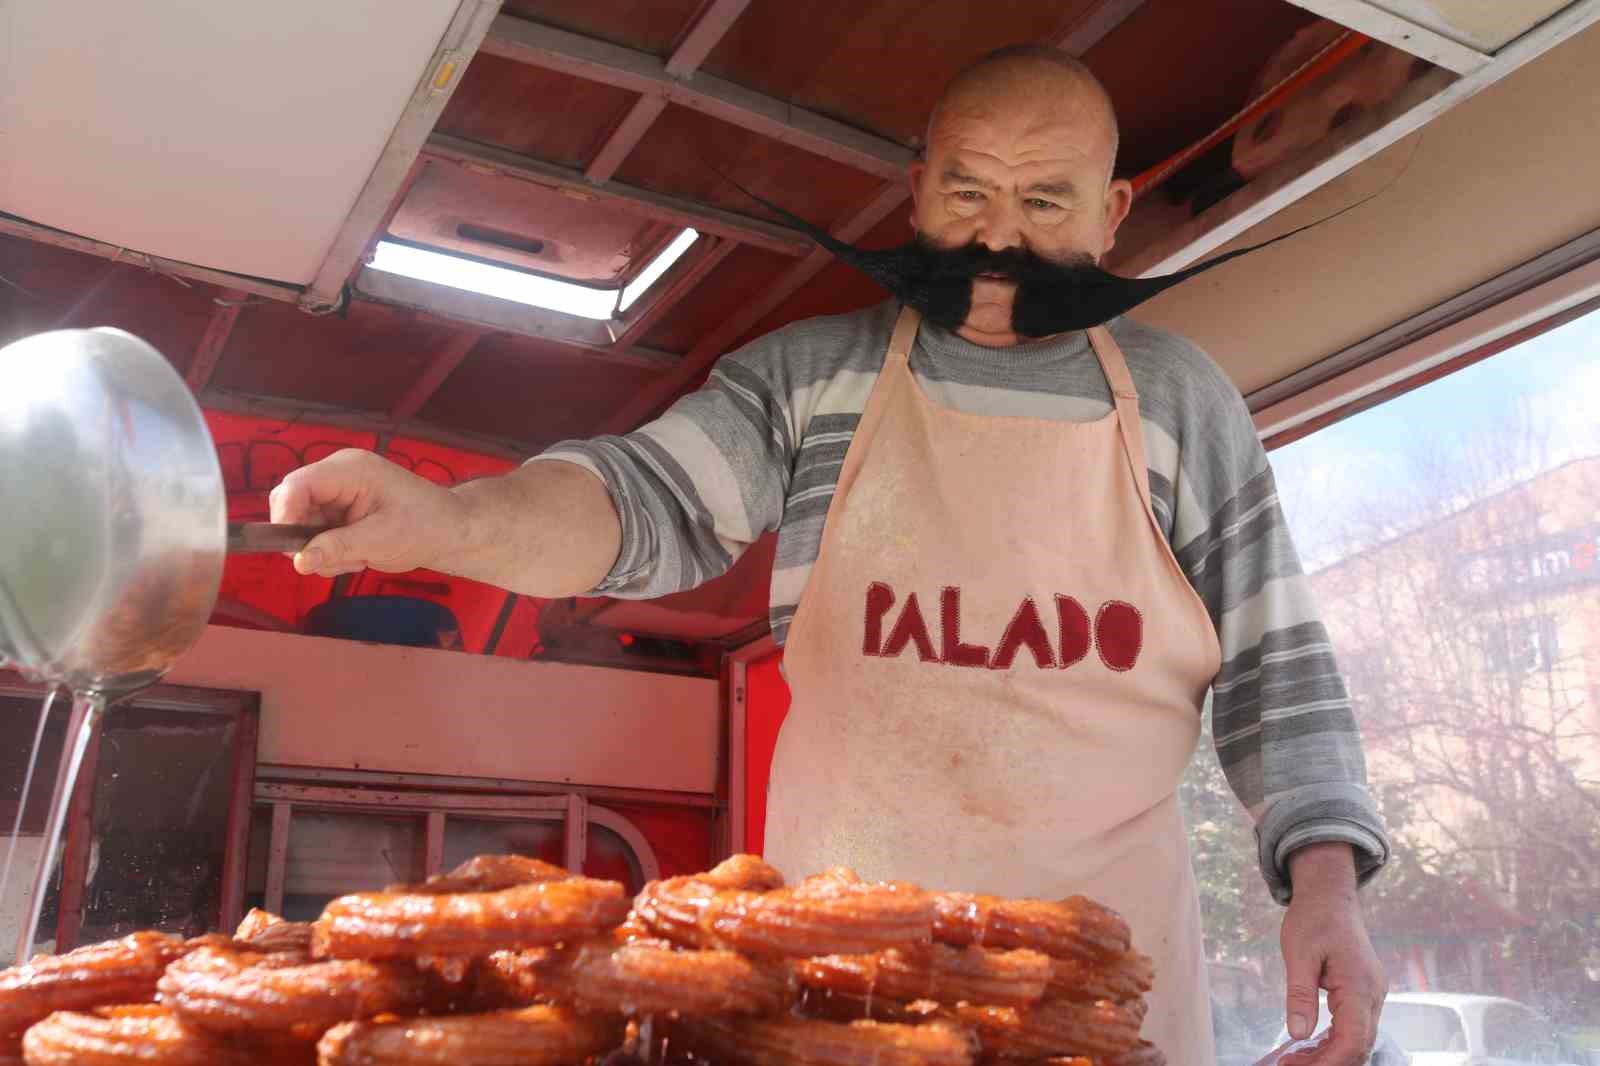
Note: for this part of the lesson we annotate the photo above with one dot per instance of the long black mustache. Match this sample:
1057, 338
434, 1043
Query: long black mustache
1052, 296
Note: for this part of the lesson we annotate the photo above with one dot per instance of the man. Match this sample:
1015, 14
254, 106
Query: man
1008, 571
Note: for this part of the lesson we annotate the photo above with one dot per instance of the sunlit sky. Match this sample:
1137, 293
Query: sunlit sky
1518, 413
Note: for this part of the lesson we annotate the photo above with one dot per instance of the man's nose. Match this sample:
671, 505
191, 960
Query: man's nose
1000, 227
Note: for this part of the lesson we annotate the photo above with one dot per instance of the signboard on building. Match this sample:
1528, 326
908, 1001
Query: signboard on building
1551, 563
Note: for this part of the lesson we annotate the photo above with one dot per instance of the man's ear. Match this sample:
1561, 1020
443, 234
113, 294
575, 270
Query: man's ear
914, 173
1119, 201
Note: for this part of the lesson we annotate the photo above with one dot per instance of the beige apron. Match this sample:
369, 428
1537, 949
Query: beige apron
997, 668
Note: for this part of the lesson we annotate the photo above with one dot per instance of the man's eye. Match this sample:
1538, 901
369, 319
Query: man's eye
1043, 205
969, 194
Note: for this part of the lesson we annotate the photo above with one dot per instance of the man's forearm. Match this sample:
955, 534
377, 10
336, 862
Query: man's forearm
546, 529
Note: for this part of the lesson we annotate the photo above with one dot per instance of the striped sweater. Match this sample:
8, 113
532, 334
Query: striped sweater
759, 448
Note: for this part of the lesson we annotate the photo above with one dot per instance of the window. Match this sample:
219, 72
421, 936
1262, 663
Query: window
1513, 1033
466, 837
19, 718
310, 842
606, 853
332, 852
164, 796
1420, 1029
1521, 645
1449, 537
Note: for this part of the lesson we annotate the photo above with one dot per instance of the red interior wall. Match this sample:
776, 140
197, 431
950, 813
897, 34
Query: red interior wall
682, 837
256, 453
766, 705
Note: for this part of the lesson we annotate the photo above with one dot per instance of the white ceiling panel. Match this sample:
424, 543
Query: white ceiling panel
234, 136
1486, 25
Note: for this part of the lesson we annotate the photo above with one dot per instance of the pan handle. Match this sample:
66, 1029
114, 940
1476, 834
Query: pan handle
258, 537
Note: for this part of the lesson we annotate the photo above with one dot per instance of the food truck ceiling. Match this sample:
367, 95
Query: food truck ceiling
236, 137
281, 144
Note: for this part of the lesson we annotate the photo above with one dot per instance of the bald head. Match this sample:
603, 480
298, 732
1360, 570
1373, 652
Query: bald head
1029, 77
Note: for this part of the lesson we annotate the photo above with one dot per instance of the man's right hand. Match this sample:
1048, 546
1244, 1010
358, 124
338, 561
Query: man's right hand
381, 515
545, 529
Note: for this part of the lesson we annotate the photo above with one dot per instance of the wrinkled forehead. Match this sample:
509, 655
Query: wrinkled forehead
1018, 119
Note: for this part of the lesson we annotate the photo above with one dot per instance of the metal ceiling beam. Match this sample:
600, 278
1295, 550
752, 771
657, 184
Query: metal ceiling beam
1095, 25
487, 159
1347, 147
625, 138
705, 30
1545, 285
640, 72
32, 231
443, 363
219, 327
433, 90
1376, 22
1293, 179
647, 401
346, 780
1495, 330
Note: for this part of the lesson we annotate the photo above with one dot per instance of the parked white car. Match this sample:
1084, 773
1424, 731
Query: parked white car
1446, 1029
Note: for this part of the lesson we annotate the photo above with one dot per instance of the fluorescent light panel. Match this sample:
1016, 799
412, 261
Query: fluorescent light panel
506, 284
658, 266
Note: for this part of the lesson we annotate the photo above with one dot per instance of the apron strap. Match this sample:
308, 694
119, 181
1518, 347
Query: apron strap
896, 369
905, 335
1126, 398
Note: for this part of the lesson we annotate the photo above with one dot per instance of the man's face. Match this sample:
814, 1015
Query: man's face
1018, 164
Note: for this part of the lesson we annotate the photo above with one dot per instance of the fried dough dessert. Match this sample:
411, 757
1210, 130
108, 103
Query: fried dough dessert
510, 960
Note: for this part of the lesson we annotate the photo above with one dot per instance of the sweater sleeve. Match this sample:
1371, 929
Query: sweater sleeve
696, 487
1285, 732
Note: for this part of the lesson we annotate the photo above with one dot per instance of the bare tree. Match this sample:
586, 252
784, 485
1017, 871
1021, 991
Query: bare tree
1468, 622
1465, 610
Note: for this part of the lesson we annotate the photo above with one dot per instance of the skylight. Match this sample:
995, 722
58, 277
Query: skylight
507, 284
658, 266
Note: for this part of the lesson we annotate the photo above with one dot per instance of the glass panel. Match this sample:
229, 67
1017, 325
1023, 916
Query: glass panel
260, 850
331, 854
162, 786
19, 718
1419, 1028
1452, 539
1513, 1033
610, 857
467, 837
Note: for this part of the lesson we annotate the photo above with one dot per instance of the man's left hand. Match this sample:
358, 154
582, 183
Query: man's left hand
1325, 946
